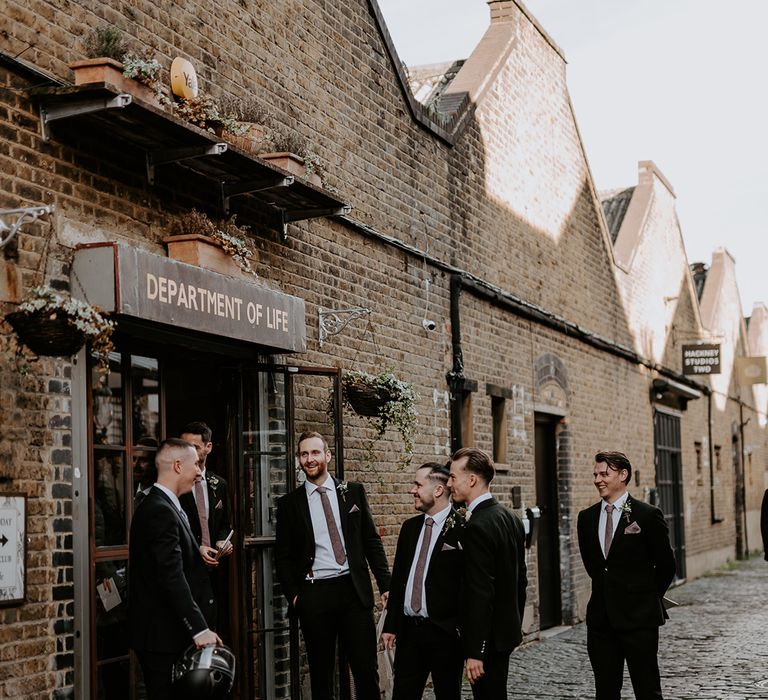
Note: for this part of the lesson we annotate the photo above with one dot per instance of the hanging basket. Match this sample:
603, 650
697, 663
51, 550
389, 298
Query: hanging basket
365, 399
47, 333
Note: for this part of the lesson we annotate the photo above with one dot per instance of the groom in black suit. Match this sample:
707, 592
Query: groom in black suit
493, 600
325, 542
422, 614
625, 548
170, 600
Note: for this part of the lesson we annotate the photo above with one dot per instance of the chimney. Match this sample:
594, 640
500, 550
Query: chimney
503, 11
699, 272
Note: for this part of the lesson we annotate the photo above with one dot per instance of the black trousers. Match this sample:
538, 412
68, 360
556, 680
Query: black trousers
156, 667
493, 684
609, 648
423, 648
328, 611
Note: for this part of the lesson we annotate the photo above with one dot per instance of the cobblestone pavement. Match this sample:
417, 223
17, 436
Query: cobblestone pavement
714, 647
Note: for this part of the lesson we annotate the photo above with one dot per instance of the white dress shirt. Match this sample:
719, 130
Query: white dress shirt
325, 565
616, 516
437, 527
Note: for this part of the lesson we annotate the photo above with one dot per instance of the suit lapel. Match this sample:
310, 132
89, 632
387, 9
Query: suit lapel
618, 536
179, 516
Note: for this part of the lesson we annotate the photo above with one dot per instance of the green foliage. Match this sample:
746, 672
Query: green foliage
106, 42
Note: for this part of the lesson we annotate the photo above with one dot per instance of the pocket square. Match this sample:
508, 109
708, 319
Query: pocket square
354, 509
447, 548
219, 506
632, 529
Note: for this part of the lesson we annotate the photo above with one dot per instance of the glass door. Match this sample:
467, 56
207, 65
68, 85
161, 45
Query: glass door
277, 404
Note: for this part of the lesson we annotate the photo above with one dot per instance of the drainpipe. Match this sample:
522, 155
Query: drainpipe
456, 375
743, 477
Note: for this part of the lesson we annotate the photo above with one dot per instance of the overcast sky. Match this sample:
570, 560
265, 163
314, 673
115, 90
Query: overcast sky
680, 82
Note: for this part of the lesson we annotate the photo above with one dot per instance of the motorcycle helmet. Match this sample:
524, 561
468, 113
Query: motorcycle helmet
207, 673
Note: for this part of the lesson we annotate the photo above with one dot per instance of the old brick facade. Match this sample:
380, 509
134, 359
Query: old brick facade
484, 219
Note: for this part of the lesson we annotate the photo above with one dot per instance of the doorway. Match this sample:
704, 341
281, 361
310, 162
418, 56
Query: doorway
548, 544
150, 392
669, 481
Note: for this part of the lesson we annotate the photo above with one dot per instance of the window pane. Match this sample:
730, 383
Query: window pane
146, 398
109, 498
107, 402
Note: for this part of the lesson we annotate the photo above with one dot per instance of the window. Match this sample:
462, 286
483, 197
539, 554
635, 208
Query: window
467, 424
499, 414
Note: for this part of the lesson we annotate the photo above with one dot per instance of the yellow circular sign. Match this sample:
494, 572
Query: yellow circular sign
183, 78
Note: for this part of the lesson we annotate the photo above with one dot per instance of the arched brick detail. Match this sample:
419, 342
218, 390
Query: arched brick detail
549, 367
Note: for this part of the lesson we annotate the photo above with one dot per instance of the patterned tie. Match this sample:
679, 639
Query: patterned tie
608, 527
421, 564
333, 531
200, 503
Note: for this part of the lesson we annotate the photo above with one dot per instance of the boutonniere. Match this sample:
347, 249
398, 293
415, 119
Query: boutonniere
343, 489
626, 510
453, 519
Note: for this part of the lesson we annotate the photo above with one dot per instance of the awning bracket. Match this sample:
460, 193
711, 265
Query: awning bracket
289, 216
233, 189
174, 155
51, 111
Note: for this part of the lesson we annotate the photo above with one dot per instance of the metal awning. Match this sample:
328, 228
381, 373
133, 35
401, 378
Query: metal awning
101, 113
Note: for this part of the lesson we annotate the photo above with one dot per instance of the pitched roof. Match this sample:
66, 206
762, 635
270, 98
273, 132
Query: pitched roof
428, 82
615, 203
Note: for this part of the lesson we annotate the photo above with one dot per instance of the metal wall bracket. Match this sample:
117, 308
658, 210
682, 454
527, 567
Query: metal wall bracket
333, 321
26, 215
51, 112
288, 216
174, 155
238, 188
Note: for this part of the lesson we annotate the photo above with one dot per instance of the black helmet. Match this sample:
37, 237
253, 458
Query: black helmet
207, 673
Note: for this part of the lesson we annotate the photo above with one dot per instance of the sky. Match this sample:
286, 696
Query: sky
683, 83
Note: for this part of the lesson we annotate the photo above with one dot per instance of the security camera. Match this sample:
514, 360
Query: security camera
429, 324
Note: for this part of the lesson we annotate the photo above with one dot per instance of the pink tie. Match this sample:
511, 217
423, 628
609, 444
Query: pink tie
200, 503
608, 527
421, 565
333, 531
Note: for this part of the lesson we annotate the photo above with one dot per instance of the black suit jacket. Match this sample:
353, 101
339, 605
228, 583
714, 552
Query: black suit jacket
295, 542
628, 585
443, 575
169, 590
219, 511
495, 580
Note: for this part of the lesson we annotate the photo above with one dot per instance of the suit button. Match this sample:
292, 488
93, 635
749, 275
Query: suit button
210, 602
606, 569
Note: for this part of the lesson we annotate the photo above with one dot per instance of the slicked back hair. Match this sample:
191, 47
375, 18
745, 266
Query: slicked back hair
478, 462
616, 461
308, 434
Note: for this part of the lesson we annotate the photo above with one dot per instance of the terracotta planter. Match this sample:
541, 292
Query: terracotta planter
107, 70
293, 164
252, 141
202, 251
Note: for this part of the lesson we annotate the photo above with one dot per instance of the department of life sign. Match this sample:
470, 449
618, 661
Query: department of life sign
13, 510
703, 358
134, 282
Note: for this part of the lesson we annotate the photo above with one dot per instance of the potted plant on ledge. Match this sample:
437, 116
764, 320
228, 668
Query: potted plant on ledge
385, 401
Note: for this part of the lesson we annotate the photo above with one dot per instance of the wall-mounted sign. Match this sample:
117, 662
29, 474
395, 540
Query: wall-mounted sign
133, 282
701, 359
183, 78
13, 549
752, 370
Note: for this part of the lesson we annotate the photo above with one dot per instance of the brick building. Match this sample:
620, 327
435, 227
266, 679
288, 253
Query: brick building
477, 213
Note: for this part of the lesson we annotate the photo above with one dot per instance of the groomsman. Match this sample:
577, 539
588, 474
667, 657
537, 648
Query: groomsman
422, 614
494, 572
625, 548
325, 542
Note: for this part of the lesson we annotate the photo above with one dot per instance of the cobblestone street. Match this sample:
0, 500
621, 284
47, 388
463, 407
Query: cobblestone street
713, 647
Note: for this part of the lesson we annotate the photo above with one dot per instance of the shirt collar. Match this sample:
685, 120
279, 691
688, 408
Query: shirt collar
487, 496
440, 516
174, 498
618, 504
311, 488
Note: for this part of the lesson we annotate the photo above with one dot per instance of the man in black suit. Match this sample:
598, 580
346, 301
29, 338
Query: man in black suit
207, 507
422, 614
625, 548
495, 580
169, 590
325, 535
